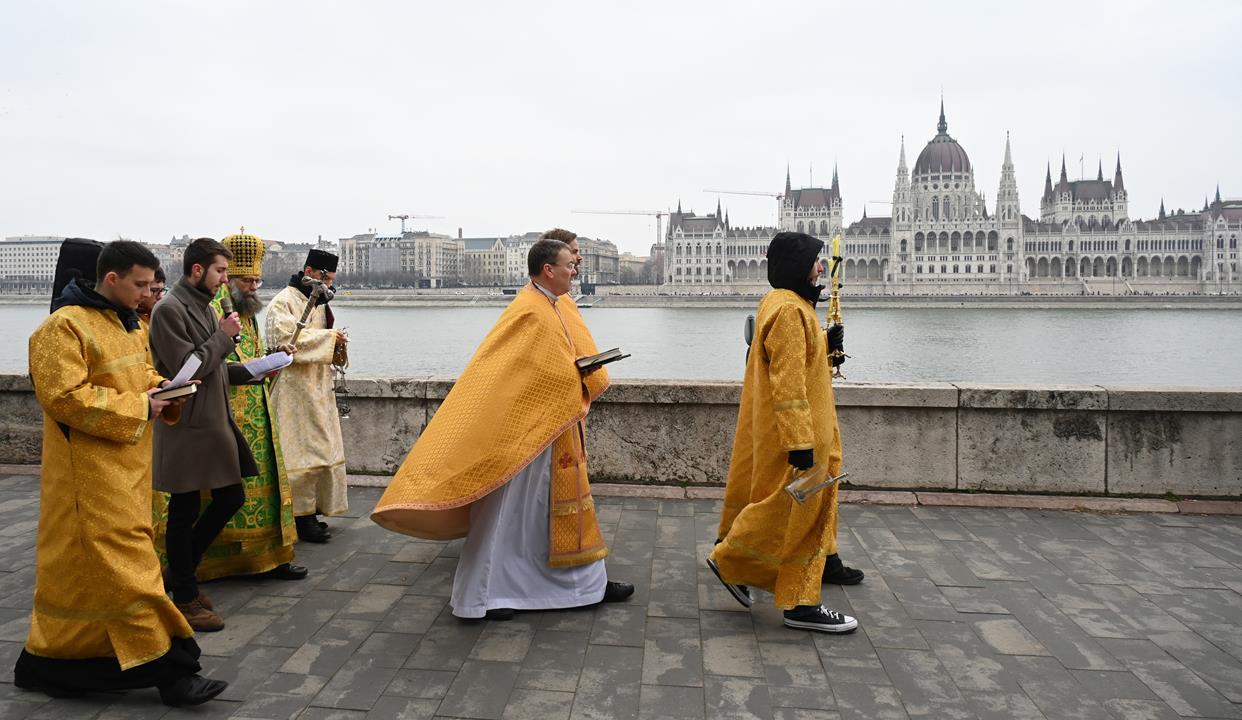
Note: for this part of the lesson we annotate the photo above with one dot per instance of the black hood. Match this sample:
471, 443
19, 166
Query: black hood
75, 293
791, 255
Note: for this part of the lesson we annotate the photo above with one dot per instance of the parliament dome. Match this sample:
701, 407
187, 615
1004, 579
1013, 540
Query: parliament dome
942, 154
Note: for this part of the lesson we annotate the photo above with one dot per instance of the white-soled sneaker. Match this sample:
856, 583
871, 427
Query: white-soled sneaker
819, 618
741, 593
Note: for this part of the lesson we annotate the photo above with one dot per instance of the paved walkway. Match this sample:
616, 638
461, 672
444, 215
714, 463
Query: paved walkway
965, 613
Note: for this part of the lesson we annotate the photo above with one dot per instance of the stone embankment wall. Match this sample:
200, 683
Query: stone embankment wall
1047, 439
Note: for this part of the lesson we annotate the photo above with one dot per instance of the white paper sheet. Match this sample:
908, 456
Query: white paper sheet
187, 371
268, 363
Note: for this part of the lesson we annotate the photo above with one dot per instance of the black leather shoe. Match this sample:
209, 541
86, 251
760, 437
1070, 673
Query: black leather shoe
617, 591
286, 571
309, 529
836, 573
500, 614
191, 690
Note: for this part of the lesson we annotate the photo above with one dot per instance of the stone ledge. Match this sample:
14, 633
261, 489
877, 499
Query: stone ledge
864, 394
1046, 502
647, 491
877, 497
1210, 507
1025, 397
1174, 399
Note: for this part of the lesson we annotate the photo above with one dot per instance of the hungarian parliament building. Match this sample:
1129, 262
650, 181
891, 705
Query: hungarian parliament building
941, 237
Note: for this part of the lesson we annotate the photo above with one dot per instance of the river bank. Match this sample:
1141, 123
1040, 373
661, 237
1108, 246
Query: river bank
474, 298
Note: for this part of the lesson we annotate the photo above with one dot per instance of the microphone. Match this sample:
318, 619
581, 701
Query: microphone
226, 305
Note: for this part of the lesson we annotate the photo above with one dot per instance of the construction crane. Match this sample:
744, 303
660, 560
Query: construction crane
747, 192
659, 216
403, 218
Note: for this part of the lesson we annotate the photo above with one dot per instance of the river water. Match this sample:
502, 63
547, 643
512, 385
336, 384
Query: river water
970, 345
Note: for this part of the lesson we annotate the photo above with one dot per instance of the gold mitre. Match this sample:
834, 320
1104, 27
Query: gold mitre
247, 254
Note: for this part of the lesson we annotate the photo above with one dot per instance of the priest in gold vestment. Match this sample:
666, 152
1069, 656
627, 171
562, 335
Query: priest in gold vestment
503, 461
304, 402
101, 621
787, 424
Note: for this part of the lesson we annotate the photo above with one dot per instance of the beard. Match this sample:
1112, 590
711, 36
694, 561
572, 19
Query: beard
247, 304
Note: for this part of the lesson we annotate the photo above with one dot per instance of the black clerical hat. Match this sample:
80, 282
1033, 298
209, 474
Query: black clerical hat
78, 258
321, 260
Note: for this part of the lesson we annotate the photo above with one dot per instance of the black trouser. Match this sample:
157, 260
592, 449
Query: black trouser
187, 540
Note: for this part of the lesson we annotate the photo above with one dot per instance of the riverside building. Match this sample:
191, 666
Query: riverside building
941, 238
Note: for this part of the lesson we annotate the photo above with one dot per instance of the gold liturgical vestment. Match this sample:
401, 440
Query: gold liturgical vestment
520, 393
768, 540
304, 404
98, 591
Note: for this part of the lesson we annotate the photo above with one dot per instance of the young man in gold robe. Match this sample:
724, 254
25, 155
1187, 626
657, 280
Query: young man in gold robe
304, 402
503, 461
787, 424
101, 621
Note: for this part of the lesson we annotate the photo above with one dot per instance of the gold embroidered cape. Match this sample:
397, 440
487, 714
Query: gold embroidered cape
520, 394
98, 591
768, 540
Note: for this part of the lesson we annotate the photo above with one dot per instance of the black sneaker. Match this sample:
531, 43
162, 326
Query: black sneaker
741, 593
837, 573
818, 617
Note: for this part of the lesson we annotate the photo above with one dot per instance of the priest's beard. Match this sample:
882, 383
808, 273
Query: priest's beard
247, 304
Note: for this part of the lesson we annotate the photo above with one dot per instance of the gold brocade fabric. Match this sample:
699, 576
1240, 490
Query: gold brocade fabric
304, 404
768, 540
98, 591
520, 393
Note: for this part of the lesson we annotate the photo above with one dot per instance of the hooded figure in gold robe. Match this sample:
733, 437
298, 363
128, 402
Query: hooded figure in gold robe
503, 461
101, 620
786, 426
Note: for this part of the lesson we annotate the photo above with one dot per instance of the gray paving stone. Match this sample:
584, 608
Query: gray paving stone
400, 708
356, 686
416, 683
998, 706
413, 614
734, 698
729, 645
619, 624
856, 701
528, 704
610, 683
1177, 685
662, 702
672, 653
1123, 709
480, 690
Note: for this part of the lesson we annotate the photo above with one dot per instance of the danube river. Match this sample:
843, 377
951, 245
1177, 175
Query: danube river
971, 345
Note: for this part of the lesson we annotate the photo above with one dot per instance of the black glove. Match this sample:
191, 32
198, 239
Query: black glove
836, 338
802, 459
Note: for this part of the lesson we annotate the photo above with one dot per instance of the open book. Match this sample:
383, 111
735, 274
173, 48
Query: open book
268, 363
179, 385
590, 362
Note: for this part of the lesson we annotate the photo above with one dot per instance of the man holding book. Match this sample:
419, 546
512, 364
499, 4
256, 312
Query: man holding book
101, 622
786, 428
259, 539
205, 451
503, 461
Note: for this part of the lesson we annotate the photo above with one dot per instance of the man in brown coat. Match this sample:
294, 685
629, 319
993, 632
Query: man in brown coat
205, 451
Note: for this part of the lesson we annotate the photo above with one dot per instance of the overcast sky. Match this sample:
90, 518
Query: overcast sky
301, 119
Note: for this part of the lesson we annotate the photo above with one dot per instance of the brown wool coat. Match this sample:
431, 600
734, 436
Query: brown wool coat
205, 449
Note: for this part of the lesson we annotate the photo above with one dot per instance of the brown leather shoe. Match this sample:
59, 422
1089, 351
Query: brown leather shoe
199, 617
202, 597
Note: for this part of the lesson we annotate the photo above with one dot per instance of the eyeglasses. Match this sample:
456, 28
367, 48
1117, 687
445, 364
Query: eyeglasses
256, 282
157, 292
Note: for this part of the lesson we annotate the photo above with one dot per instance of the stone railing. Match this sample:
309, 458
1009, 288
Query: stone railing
1048, 439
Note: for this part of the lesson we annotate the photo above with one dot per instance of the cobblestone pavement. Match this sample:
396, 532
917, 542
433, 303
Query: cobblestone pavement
965, 613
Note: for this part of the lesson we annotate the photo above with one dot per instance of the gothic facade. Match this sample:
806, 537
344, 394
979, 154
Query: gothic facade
940, 236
